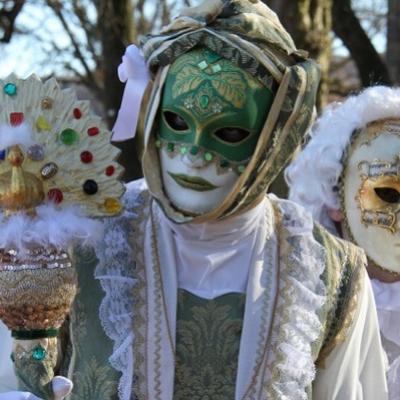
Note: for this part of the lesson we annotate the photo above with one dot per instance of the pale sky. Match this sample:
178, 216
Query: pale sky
31, 53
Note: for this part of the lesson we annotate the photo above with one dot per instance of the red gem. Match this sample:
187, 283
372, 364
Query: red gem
55, 195
110, 170
93, 131
86, 157
77, 113
16, 118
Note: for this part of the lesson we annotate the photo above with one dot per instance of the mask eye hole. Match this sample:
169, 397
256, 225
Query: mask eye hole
389, 195
175, 121
232, 135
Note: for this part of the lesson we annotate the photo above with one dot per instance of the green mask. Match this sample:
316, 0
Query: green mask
211, 106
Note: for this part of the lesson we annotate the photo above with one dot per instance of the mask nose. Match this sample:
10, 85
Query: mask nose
194, 161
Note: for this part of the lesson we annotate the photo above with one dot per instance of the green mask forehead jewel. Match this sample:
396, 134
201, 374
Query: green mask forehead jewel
209, 105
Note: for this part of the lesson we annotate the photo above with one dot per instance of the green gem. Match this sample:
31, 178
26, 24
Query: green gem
211, 56
170, 147
10, 89
69, 136
194, 150
183, 150
216, 68
208, 156
224, 164
204, 101
241, 168
38, 353
202, 65
158, 143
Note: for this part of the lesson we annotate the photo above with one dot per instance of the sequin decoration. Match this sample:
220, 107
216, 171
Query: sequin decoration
10, 89
90, 187
16, 118
194, 150
93, 131
42, 124
69, 136
208, 156
47, 103
36, 152
49, 170
110, 170
55, 195
86, 157
112, 206
77, 113
39, 353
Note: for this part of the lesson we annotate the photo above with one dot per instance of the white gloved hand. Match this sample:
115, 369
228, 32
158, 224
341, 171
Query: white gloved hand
62, 387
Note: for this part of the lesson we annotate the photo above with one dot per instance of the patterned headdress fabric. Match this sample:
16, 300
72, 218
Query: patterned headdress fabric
250, 35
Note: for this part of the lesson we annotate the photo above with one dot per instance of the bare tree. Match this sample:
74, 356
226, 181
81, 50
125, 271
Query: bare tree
393, 40
347, 26
8, 14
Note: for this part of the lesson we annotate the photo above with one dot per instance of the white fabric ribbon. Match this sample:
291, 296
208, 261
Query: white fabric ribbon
134, 72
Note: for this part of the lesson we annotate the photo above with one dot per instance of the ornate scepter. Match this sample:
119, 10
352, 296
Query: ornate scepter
57, 174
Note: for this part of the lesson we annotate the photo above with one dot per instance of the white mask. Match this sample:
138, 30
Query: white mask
194, 185
371, 192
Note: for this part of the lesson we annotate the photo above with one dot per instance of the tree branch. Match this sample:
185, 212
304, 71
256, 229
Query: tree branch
7, 20
347, 27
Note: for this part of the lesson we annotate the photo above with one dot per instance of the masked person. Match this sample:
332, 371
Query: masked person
348, 177
211, 288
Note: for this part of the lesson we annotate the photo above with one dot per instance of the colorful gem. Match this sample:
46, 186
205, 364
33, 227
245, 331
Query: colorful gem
216, 68
49, 170
241, 168
38, 353
93, 131
170, 147
183, 150
204, 101
36, 152
47, 103
90, 187
211, 56
208, 156
69, 136
110, 170
10, 89
16, 118
77, 113
55, 195
158, 143
202, 65
194, 150
86, 157
2, 155
42, 124
224, 164
113, 206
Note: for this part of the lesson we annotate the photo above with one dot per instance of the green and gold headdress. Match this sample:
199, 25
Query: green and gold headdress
248, 34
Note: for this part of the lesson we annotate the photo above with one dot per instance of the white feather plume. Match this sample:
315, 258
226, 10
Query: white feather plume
50, 227
15, 135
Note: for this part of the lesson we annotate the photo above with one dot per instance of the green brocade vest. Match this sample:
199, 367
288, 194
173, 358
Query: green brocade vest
207, 346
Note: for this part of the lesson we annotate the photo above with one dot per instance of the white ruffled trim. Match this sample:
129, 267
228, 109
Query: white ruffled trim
307, 294
115, 272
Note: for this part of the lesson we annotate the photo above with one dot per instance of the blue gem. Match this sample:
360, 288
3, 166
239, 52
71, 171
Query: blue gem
10, 89
38, 353
2, 155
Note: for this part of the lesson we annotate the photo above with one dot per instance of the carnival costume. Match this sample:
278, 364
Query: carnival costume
351, 164
204, 287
